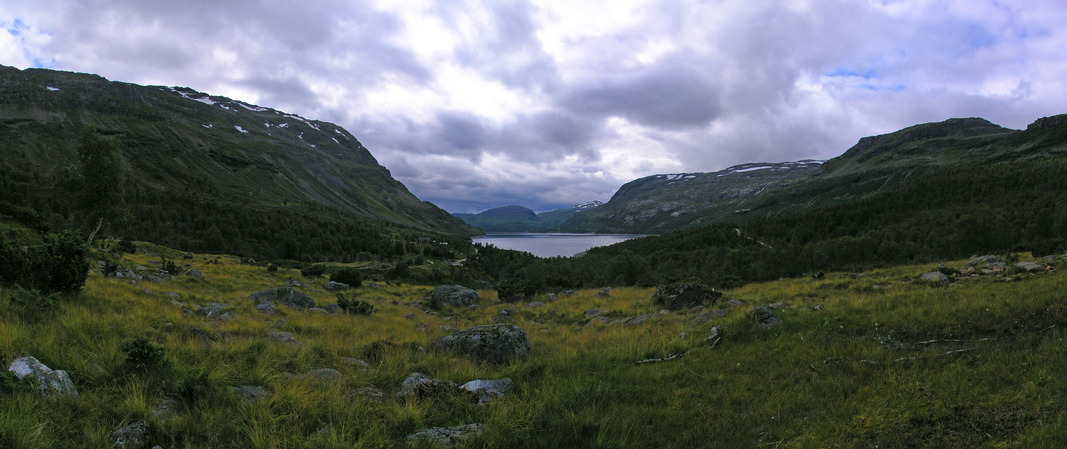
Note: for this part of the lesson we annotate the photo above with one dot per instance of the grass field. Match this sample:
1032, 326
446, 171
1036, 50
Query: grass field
860, 360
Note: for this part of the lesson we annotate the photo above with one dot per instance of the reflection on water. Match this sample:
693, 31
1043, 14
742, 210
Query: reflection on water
552, 244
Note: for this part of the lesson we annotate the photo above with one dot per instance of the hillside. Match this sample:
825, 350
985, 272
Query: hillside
851, 360
662, 203
522, 219
186, 150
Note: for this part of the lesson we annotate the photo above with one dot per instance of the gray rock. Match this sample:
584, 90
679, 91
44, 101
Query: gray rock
285, 337
1030, 267
48, 381
535, 304
496, 343
713, 334
195, 273
166, 408
331, 285
332, 308
133, 436
213, 310
487, 390
284, 295
765, 316
604, 292
989, 261
251, 393
683, 295
934, 276
593, 313
368, 393
567, 293
318, 310
372, 284
293, 283
418, 386
453, 296
735, 303
446, 436
551, 297
266, 307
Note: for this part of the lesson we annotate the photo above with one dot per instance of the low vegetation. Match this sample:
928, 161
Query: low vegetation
859, 360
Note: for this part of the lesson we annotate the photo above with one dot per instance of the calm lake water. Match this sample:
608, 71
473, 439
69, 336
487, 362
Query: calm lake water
552, 245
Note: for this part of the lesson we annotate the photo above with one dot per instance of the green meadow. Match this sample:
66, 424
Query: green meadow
859, 360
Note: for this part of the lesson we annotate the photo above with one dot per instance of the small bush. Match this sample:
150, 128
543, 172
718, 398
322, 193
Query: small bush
354, 306
59, 264
126, 246
142, 355
311, 271
348, 276
169, 266
271, 268
110, 268
30, 303
8, 382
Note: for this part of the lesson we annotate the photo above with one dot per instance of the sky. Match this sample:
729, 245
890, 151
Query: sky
548, 104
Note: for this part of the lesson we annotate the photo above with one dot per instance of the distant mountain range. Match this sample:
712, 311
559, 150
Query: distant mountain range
666, 202
522, 219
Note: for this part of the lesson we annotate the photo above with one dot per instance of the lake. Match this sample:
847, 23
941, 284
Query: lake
552, 244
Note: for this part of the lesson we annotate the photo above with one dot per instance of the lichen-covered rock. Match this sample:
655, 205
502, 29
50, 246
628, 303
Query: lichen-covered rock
988, 261
765, 316
48, 381
453, 296
417, 386
284, 295
604, 292
496, 343
133, 436
683, 295
1030, 267
934, 276
446, 436
251, 393
331, 285
487, 390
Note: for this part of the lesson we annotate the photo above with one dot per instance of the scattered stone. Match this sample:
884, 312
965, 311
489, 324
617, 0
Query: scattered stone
284, 295
708, 316
171, 294
251, 393
1030, 267
332, 308
372, 284
293, 283
213, 310
535, 304
318, 310
967, 271
446, 436
331, 285
266, 307
453, 296
410, 316
195, 274
357, 362
226, 317
285, 337
551, 297
487, 390
604, 292
369, 393
683, 295
166, 409
765, 316
593, 313
279, 323
133, 436
200, 334
713, 334
418, 386
989, 261
735, 303
934, 276
326, 375
567, 293
48, 381
601, 320
497, 343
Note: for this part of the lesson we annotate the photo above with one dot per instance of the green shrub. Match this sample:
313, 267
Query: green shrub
59, 264
30, 303
126, 246
354, 306
311, 271
348, 276
271, 268
8, 382
142, 355
169, 266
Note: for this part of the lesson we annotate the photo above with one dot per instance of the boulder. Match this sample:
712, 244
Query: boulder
535, 304
446, 436
934, 276
453, 296
567, 293
48, 381
765, 316
418, 386
683, 295
1030, 267
251, 393
284, 295
370, 394
604, 292
195, 274
285, 337
331, 285
295, 283
133, 436
266, 307
487, 390
989, 261
496, 343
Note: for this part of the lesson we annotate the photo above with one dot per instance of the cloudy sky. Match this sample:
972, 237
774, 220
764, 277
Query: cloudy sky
478, 104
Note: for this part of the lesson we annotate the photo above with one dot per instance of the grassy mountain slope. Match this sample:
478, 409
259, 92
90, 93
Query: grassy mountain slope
183, 146
522, 219
875, 164
859, 360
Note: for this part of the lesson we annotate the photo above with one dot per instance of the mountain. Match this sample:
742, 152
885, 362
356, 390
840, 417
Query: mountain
187, 152
522, 219
662, 203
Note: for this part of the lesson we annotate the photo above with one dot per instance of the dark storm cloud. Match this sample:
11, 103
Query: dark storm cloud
461, 132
